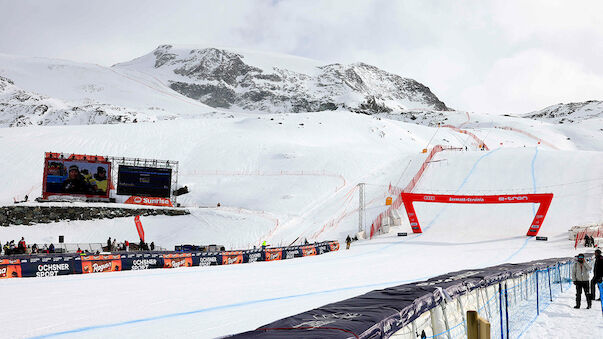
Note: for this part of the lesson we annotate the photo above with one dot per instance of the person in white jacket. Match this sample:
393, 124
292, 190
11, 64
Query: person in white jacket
580, 276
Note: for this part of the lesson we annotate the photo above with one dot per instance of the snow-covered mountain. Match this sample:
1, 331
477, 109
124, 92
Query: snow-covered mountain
42, 91
252, 81
19, 107
569, 113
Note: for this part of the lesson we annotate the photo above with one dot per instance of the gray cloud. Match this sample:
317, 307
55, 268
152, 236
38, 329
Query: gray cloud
495, 56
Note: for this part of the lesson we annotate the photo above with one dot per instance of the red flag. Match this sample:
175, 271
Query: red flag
139, 227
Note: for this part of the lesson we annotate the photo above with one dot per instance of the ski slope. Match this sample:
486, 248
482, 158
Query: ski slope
301, 173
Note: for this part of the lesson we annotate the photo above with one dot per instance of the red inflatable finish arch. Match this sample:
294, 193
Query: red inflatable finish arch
543, 199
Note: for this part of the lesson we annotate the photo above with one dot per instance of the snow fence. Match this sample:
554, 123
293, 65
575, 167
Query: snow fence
510, 296
44, 265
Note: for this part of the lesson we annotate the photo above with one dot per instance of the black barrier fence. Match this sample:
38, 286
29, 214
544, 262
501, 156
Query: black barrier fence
383, 313
53, 264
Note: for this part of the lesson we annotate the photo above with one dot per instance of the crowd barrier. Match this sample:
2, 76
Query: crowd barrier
53, 264
509, 296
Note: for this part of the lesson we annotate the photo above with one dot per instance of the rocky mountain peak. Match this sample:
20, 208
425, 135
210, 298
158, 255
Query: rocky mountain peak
570, 112
237, 80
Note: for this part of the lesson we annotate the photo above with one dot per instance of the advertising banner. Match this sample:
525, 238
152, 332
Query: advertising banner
292, 252
209, 259
141, 261
308, 250
544, 199
253, 256
47, 266
273, 254
85, 176
149, 201
10, 268
101, 263
175, 260
139, 227
144, 181
234, 257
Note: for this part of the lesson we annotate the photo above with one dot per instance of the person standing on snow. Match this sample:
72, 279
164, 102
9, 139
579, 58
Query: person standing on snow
348, 242
580, 275
597, 274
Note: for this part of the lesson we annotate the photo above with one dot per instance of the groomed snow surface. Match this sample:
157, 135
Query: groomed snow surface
284, 177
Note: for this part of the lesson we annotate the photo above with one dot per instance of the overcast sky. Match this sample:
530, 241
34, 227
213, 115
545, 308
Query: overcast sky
484, 56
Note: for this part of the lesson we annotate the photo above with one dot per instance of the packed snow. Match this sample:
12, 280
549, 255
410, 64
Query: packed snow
281, 178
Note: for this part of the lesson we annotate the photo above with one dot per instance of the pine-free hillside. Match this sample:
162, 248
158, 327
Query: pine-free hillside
569, 113
252, 81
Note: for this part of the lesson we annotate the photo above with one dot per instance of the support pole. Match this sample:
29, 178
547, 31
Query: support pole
548, 272
537, 296
507, 309
502, 333
361, 206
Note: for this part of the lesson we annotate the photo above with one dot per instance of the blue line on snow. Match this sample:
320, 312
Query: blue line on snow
461, 186
534, 178
216, 308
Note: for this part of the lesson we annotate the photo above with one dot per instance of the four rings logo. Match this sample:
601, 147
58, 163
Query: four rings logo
429, 197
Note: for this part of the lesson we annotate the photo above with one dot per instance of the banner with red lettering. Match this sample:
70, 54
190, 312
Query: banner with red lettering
10, 268
139, 227
149, 201
101, 263
233, 257
544, 199
175, 260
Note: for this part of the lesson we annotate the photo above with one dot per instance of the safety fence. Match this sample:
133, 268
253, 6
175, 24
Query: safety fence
509, 296
596, 232
517, 130
480, 143
44, 265
378, 222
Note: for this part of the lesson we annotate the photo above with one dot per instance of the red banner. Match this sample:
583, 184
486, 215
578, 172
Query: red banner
230, 258
543, 199
309, 250
101, 263
149, 201
10, 268
273, 254
177, 260
139, 227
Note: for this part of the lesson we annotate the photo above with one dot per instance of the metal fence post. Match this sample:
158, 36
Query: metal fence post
560, 278
548, 272
537, 296
507, 309
502, 333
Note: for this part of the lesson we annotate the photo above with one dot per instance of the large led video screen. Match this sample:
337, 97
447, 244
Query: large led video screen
144, 181
76, 177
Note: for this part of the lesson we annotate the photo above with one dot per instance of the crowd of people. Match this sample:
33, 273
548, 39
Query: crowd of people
21, 247
581, 276
113, 246
10, 248
589, 241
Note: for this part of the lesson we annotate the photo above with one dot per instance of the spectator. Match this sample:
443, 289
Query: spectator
580, 275
152, 245
51, 248
113, 248
79, 250
597, 274
109, 244
348, 242
127, 244
22, 247
34, 249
